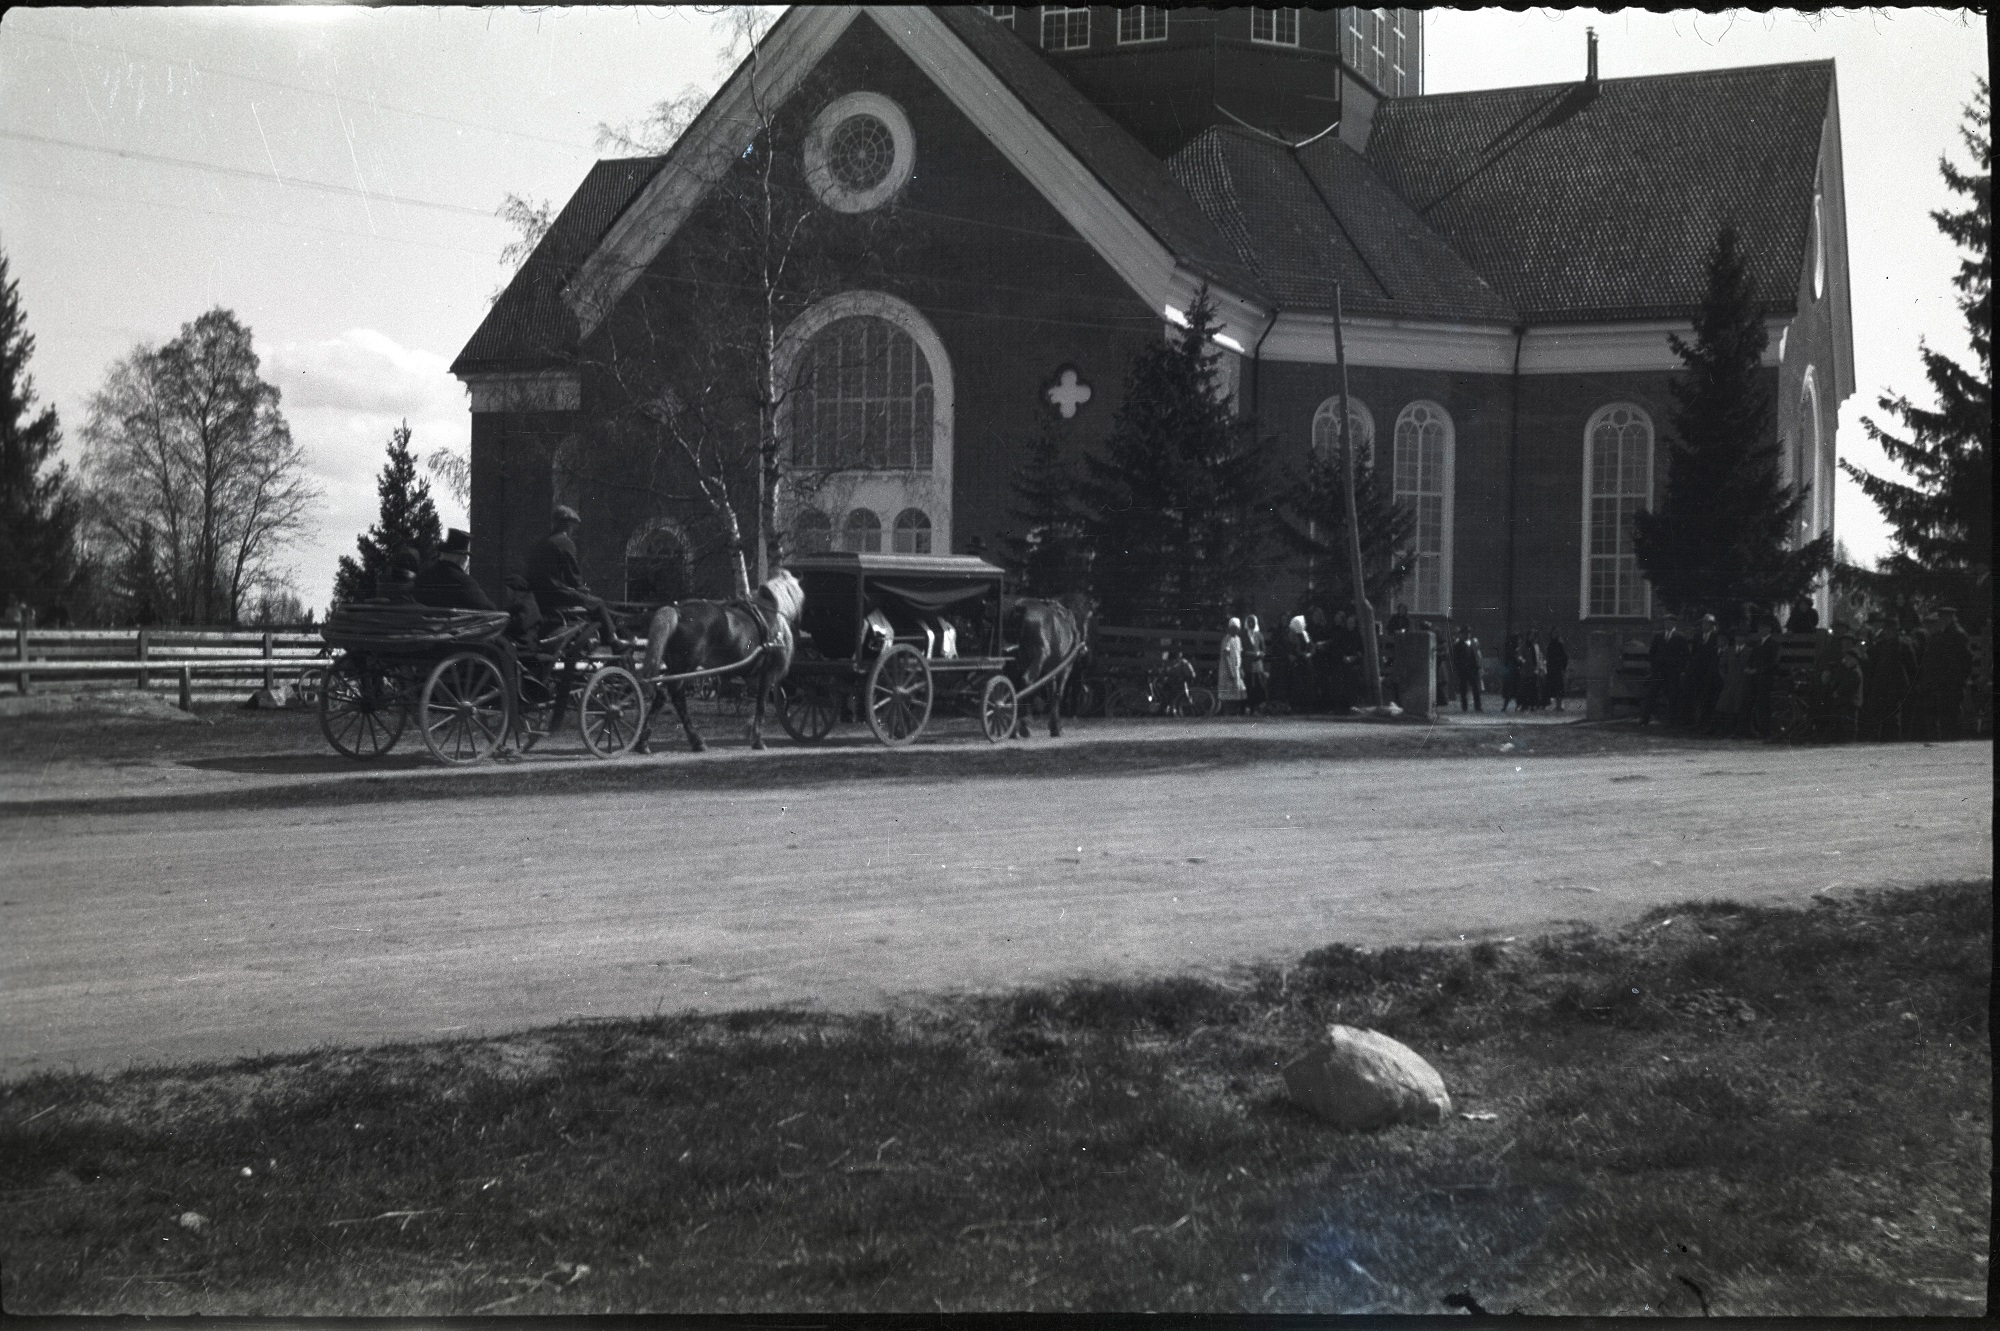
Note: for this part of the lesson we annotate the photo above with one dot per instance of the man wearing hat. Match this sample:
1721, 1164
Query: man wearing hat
1703, 679
555, 574
444, 582
1945, 667
1666, 661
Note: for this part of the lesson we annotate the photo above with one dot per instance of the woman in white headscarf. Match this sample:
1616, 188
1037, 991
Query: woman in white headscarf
1229, 671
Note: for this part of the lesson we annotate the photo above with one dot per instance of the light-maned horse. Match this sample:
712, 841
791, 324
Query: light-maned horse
1048, 635
707, 635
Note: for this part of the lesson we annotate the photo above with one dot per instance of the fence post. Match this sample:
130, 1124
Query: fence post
187, 688
145, 643
21, 646
269, 683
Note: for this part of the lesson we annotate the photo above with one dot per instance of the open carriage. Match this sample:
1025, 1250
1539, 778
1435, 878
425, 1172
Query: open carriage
445, 670
887, 639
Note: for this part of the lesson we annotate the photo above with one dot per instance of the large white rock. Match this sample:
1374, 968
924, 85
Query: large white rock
1362, 1080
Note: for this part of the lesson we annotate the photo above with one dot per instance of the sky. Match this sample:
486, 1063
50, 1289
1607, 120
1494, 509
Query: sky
333, 174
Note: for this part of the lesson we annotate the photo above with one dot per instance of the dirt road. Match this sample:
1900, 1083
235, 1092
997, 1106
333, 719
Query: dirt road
143, 937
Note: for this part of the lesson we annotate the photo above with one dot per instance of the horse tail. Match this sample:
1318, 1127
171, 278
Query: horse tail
658, 629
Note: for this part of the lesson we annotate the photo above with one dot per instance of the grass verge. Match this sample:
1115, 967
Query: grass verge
1723, 1109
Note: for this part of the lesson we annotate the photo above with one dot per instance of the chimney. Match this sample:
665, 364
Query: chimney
1590, 77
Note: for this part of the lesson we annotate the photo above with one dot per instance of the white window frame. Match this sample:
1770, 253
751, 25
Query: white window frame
1063, 18
1000, 13
1645, 610
1275, 22
635, 545
1447, 496
1809, 455
1143, 18
1361, 422
819, 171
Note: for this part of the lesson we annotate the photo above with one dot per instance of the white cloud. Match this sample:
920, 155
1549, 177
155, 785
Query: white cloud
343, 398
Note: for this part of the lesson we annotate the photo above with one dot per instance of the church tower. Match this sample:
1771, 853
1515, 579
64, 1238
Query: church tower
1167, 74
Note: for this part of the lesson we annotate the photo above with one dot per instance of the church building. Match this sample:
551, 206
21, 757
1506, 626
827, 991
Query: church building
1032, 193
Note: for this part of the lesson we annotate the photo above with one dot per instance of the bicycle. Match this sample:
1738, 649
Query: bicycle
1169, 690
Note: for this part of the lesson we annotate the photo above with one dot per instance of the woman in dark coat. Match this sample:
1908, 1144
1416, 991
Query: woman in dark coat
1510, 672
1558, 657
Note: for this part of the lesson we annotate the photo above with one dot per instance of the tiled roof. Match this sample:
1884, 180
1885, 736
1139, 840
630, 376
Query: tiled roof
1308, 220
531, 324
1583, 208
1140, 180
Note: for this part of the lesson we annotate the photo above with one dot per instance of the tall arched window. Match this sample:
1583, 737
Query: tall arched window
913, 532
1618, 482
1423, 468
1805, 462
1360, 427
862, 533
812, 532
865, 399
658, 565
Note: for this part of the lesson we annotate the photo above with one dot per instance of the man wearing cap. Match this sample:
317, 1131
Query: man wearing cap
555, 574
445, 583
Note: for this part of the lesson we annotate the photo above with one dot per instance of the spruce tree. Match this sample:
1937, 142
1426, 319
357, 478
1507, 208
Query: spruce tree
1052, 558
1312, 520
1176, 500
1942, 517
39, 508
1721, 537
407, 517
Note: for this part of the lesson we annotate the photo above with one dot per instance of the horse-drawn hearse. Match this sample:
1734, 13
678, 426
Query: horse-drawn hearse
887, 638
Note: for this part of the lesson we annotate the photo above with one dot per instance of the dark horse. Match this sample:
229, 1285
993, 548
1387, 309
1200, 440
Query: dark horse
753, 638
1049, 635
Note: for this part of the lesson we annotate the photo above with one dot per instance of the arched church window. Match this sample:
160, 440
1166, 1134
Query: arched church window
1819, 241
1423, 476
862, 533
1805, 463
913, 532
658, 565
865, 399
1618, 483
566, 473
1360, 428
859, 152
812, 532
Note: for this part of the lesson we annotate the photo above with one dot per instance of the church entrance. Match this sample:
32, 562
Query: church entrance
658, 566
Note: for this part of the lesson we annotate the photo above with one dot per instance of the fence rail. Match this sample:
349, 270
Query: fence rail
49, 655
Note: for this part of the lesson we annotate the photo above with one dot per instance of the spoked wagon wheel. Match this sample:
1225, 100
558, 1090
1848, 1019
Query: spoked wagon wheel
999, 708
899, 695
809, 708
463, 710
613, 712
359, 712
540, 705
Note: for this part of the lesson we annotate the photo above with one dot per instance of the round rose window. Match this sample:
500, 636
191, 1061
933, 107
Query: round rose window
860, 152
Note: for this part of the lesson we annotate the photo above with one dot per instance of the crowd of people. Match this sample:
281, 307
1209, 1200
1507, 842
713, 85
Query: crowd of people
1893, 678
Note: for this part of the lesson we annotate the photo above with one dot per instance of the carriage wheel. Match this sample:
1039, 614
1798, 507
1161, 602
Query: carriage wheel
463, 711
999, 708
359, 712
1790, 721
899, 695
1128, 700
540, 700
311, 683
613, 712
1203, 702
809, 708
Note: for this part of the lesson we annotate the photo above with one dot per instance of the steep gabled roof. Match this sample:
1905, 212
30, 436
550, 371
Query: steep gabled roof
531, 323
1308, 220
1582, 208
1140, 180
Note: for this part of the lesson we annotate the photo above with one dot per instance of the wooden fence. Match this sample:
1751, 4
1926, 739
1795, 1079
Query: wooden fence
34, 655
1118, 652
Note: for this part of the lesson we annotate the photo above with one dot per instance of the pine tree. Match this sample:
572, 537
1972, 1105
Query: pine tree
1313, 521
1942, 518
1720, 539
138, 588
39, 508
1053, 557
407, 517
1176, 499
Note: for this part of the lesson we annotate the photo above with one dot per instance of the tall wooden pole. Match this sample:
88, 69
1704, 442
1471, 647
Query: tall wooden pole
1364, 614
